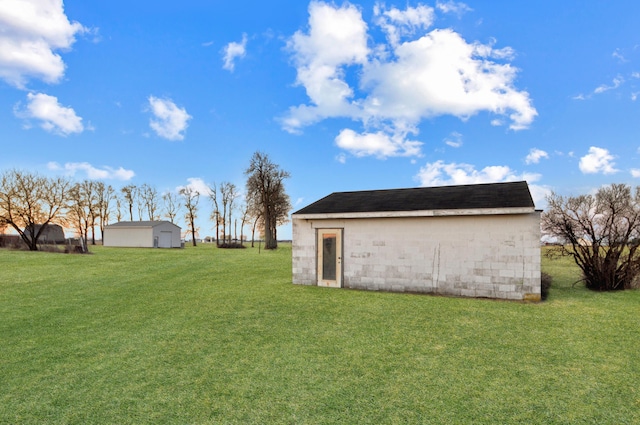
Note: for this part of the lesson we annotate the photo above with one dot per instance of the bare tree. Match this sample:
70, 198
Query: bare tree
88, 192
28, 200
172, 206
139, 201
601, 233
229, 194
118, 209
78, 212
244, 208
224, 212
191, 198
106, 194
215, 213
281, 208
256, 223
265, 184
254, 210
149, 197
129, 197
233, 195
235, 229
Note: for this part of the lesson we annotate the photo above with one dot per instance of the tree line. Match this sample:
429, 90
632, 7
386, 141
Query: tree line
29, 202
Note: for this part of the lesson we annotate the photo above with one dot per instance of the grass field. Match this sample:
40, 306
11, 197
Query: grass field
208, 336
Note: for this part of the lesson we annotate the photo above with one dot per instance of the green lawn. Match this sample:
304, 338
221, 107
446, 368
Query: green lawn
202, 335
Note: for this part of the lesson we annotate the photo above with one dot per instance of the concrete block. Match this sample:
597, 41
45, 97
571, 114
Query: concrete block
507, 273
513, 296
506, 288
449, 291
483, 293
468, 293
481, 279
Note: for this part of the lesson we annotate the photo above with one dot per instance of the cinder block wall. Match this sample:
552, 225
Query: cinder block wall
303, 250
494, 256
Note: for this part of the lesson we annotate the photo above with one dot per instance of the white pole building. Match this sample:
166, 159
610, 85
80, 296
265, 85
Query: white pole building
142, 234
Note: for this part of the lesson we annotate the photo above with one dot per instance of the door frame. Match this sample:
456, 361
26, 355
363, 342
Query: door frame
339, 233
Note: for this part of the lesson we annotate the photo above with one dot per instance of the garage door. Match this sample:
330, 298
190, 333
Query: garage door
165, 240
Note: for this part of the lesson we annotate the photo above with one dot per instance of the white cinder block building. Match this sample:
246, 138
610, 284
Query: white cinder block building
472, 241
142, 234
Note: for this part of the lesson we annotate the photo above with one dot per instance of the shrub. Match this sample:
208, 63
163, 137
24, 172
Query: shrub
601, 233
231, 245
12, 242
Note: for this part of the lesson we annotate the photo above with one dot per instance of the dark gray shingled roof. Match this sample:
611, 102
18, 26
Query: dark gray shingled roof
492, 195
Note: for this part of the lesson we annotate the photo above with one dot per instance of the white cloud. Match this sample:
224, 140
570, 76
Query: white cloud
93, 173
197, 184
53, 117
603, 88
618, 55
233, 51
337, 37
401, 82
615, 84
539, 193
440, 173
535, 155
454, 140
598, 160
506, 53
400, 23
635, 172
32, 32
452, 7
169, 121
441, 74
378, 144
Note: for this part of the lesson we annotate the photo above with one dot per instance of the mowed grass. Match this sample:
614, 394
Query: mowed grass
212, 336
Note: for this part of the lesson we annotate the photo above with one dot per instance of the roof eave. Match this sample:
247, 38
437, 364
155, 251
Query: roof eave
419, 213
139, 224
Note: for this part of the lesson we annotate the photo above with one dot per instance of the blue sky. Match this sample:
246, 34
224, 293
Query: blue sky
345, 95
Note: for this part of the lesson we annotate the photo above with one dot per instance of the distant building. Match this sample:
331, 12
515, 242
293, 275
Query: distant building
52, 233
473, 240
142, 234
